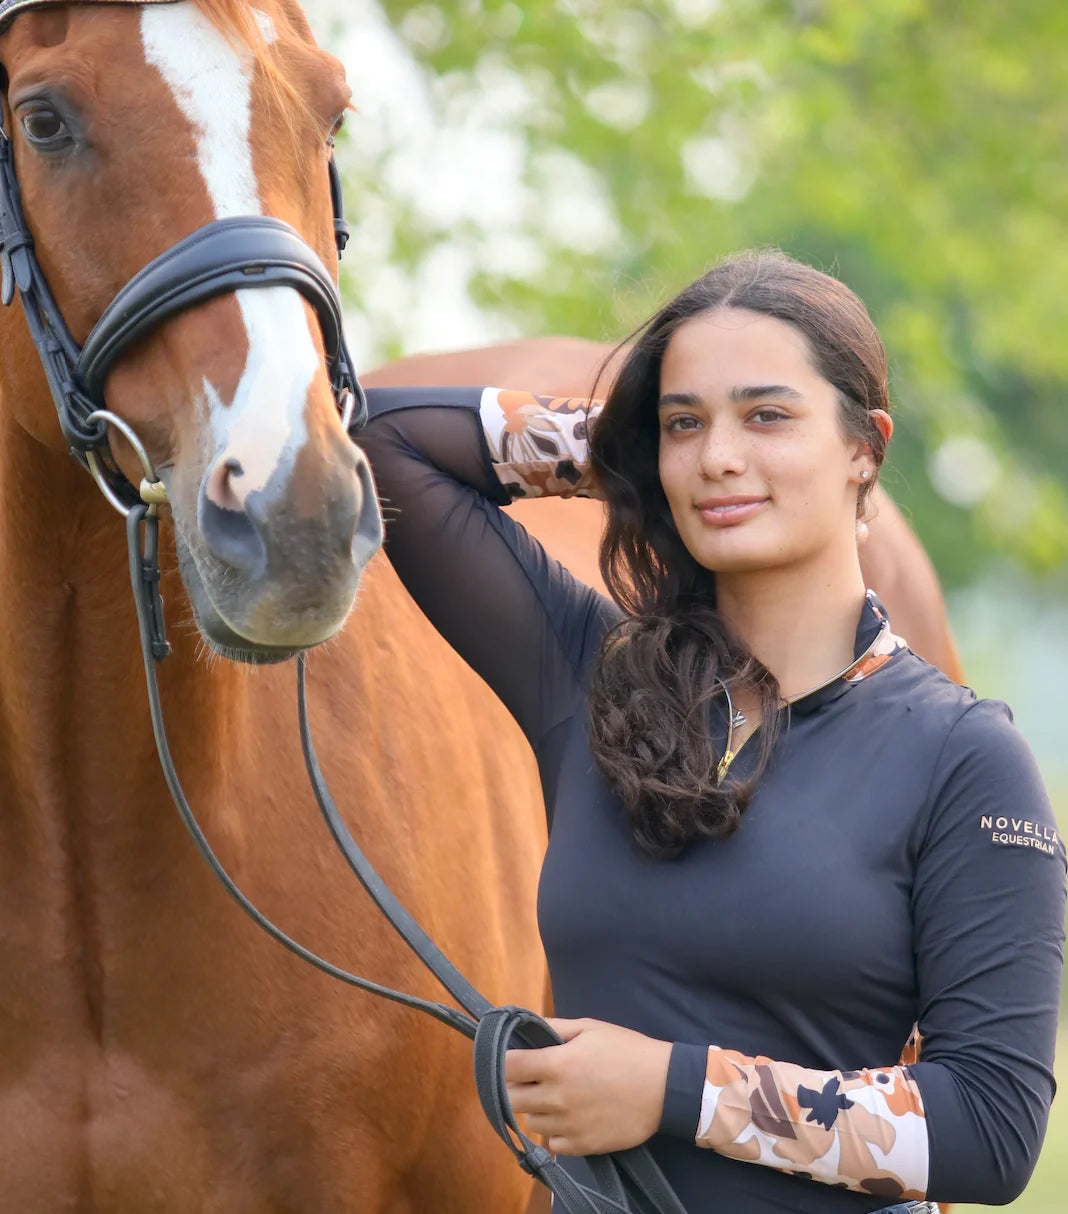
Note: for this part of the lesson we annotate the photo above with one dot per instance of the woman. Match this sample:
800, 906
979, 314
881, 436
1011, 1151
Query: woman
778, 838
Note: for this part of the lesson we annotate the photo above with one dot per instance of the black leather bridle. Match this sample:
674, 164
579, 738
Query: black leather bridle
222, 257
248, 252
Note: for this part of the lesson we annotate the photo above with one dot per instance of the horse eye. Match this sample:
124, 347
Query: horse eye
335, 130
44, 126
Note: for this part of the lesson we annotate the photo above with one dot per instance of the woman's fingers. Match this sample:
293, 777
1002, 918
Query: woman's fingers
544, 1124
524, 1066
532, 1066
536, 1066
543, 1113
569, 1029
535, 1098
526, 1098
603, 1090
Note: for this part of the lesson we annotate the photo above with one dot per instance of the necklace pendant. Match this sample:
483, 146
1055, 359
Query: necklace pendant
739, 719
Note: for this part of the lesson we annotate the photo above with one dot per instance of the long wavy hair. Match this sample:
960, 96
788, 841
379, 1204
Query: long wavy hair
662, 668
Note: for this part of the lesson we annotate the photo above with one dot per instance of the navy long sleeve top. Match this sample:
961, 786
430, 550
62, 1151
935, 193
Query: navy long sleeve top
899, 865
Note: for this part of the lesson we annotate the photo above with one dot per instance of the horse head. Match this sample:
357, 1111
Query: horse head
132, 127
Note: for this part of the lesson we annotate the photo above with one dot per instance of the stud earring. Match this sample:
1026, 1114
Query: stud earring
865, 474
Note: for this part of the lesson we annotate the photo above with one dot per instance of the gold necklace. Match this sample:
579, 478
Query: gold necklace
733, 718
739, 718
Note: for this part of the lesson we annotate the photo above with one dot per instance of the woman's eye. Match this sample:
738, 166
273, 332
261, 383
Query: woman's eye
44, 126
680, 422
765, 416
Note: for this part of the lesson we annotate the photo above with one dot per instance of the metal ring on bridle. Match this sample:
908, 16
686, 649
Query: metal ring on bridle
153, 491
347, 404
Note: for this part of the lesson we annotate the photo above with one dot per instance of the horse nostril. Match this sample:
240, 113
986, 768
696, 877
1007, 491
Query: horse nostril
218, 486
227, 529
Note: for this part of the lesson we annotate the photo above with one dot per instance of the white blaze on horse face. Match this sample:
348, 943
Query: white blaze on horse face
263, 427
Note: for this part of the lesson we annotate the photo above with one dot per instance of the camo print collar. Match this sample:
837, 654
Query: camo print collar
874, 647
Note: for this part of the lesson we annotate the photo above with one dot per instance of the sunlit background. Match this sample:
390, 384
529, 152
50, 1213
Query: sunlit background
563, 166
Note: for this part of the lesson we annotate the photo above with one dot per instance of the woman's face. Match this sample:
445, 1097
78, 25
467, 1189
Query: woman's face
754, 462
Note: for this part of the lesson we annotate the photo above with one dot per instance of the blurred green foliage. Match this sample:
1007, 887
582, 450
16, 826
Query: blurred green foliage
914, 148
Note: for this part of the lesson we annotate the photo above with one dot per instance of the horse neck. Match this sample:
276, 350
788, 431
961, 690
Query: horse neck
74, 726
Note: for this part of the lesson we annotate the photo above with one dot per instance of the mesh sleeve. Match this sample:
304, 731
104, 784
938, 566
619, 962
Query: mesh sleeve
512, 612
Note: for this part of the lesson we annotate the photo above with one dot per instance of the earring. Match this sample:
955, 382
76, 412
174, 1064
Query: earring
865, 474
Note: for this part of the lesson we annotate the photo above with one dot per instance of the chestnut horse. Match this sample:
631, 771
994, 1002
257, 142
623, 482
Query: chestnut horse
156, 1051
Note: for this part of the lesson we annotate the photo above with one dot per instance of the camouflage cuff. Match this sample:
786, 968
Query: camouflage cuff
862, 1130
538, 443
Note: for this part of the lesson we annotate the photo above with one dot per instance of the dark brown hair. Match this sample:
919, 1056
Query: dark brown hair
661, 668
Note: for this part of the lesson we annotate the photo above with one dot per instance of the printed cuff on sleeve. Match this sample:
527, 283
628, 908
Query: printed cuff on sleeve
862, 1130
538, 444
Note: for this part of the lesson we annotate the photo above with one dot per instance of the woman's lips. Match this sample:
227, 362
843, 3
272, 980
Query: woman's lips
728, 511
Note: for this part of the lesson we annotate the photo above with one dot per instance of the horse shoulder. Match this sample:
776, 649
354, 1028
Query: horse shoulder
454, 781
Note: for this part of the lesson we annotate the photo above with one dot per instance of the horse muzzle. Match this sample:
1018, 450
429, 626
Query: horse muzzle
277, 570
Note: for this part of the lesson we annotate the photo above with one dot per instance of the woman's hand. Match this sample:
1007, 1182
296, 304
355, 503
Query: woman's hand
602, 1090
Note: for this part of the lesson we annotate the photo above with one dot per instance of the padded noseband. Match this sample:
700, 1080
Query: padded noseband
222, 257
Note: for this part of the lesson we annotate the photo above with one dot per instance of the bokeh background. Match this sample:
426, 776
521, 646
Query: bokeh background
562, 166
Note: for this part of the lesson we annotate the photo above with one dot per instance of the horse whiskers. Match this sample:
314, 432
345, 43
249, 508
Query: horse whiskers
330, 643
205, 655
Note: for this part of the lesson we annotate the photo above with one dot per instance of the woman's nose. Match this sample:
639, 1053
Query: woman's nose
723, 452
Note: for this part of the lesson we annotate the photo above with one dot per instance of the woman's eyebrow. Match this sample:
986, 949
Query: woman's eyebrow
751, 392
687, 399
760, 391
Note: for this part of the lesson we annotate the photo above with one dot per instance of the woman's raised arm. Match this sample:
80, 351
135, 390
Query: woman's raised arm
512, 612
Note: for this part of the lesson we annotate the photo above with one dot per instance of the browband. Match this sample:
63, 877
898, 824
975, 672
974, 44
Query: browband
11, 8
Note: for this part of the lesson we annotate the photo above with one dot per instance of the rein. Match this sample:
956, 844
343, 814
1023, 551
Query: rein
628, 1182
222, 257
